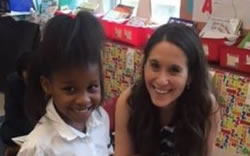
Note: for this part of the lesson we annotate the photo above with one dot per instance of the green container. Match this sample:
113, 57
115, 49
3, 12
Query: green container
70, 3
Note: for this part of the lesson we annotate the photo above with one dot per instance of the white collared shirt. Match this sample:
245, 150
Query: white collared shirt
53, 137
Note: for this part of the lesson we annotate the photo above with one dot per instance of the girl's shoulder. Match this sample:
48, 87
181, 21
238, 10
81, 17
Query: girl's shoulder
100, 113
36, 142
40, 133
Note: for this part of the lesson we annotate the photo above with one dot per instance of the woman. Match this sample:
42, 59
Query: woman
171, 111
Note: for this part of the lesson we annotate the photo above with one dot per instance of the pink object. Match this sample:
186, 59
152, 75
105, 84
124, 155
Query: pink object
109, 106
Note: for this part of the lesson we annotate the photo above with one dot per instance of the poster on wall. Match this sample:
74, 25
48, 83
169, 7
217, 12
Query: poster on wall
144, 9
204, 9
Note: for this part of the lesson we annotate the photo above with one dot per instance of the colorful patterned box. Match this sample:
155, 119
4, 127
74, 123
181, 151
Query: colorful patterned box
121, 68
233, 96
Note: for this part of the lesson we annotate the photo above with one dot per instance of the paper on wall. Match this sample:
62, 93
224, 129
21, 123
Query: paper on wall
224, 9
248, 95
206, 49
248, 60
247, 45
130, 59
232, 60
144, 9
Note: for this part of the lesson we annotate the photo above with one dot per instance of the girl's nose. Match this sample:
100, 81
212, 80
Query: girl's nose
83, 98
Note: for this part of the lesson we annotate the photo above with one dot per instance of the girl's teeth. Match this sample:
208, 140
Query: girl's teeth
84, 110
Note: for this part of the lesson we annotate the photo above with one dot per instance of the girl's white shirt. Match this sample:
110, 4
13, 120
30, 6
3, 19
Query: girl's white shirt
53, 137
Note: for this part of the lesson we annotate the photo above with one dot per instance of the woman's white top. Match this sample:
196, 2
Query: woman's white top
53, 137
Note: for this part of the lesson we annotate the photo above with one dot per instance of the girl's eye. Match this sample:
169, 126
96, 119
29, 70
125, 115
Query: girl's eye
93, 88
69, 89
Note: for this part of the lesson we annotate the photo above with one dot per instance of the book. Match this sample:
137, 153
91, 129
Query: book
119, 14
245, 43
183, 21
222, 28
87, 6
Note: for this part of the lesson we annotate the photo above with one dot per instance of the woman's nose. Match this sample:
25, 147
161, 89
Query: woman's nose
163, 79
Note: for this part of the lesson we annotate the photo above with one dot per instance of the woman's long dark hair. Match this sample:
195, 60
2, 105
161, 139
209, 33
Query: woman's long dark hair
67, 42
192, 115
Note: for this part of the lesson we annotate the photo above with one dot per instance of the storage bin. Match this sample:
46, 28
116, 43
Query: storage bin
20, 5
235, 58
135, 36
211, 48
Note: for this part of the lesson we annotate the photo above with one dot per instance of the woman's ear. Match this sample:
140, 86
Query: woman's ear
45, 84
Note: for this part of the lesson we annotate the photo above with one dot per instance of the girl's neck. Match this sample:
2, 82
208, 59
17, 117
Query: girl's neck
79, 127
167, 114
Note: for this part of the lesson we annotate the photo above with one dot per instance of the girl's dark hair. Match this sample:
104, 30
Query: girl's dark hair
67, 42
23, 62
193, 108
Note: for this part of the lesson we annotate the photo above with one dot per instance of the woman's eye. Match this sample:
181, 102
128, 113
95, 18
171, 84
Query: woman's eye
175, 70
154, 65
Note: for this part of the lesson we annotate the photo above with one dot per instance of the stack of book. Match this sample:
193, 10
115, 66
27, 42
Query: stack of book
220, 28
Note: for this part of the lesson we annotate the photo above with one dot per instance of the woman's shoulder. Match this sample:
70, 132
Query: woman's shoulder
125, 94
214, 104
215, 113
122, 101
122, 108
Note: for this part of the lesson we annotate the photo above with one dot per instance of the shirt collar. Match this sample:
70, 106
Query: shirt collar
66, 131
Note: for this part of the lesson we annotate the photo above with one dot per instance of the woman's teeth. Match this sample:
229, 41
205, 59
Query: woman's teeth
160, 91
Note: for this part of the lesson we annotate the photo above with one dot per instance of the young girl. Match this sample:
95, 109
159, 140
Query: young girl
65, 91
171, 111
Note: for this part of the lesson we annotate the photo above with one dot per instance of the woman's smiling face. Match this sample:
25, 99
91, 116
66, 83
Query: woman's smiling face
165, 73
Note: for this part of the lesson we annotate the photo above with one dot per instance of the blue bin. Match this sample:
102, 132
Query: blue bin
20, 5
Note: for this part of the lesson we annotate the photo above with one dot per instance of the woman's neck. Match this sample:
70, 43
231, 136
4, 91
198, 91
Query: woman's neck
167, 114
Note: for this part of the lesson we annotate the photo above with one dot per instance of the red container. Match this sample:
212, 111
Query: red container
211, 48
117, 31
135, 36
108, 28
235, 58
110, 105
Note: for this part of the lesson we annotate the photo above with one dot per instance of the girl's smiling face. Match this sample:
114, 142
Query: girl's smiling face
75, 93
